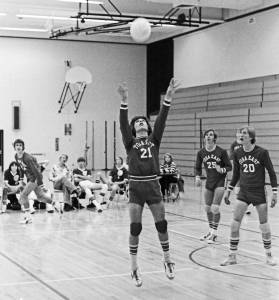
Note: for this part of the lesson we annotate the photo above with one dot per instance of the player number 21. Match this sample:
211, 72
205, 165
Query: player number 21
145, 153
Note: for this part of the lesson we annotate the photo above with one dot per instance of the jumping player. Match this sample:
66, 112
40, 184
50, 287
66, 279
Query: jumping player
250, 163
216, 163
142, 147
31, 169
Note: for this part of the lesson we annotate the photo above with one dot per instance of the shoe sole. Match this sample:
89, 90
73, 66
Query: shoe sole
228, 264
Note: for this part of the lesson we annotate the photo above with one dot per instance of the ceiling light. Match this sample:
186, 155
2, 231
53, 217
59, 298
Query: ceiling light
23, 29
83, 1
62, 18
44, 17
3, 14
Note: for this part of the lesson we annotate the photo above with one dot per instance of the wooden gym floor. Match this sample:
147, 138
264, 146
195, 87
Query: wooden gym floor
84, 255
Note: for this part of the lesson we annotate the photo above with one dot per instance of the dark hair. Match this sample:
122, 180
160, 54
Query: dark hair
214, 132
80, 159
19, 141
13, 163
132, 125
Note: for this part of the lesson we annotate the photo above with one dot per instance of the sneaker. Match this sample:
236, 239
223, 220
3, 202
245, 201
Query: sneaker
231, 260
136, 277
248, 212
32, 210
26, 220
169, 269
205, 237
211, 239
270, 260
99, 210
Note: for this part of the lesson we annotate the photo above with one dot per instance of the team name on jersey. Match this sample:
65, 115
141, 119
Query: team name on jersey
211, 156
142, 143
249, 158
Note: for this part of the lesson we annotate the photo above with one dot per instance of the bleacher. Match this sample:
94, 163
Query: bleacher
224, 107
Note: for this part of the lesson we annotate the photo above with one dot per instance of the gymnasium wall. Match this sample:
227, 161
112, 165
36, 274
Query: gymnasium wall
32, 72
231, 51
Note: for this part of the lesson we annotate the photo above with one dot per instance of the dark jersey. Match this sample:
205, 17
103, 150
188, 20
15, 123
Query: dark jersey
234, 146
84, 172
143, 153
210, 159
118, 174
249, 168
12, 179
30, 167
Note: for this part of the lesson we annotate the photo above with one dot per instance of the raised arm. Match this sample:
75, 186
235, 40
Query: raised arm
124, 123
160, 122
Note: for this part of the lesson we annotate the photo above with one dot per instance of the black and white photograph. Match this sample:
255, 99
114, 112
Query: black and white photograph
139, 149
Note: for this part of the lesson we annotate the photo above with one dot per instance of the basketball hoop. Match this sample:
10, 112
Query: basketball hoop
76, 81
78, 74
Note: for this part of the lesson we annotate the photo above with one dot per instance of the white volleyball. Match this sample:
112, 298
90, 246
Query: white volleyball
140, 30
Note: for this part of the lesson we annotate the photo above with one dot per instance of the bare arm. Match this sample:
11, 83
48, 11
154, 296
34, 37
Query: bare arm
124, 124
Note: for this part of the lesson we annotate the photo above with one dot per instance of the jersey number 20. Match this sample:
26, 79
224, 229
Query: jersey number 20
249, 168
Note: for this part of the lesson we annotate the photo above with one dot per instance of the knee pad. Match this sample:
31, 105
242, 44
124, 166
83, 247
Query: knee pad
215, 209
162, 226
207, 208
235, 226
265, 228
135, 229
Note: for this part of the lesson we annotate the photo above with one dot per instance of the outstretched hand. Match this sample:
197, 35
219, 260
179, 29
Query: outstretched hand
173, 85
123, 91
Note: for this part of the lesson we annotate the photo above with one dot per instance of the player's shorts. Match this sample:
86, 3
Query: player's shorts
141, 192
212, 186
253, 196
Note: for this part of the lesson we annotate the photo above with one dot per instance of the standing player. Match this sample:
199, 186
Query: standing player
234, 146
250, 163
31, 168
216, 163
142, 147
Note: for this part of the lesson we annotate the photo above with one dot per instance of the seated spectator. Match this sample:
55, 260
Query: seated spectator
83, 177
60, 176
12, 186
168, 172
118, 177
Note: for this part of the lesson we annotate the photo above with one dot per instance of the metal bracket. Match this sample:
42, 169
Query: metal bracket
68, 94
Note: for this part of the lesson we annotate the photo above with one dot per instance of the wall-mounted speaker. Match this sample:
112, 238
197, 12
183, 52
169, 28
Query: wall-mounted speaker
16, 115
